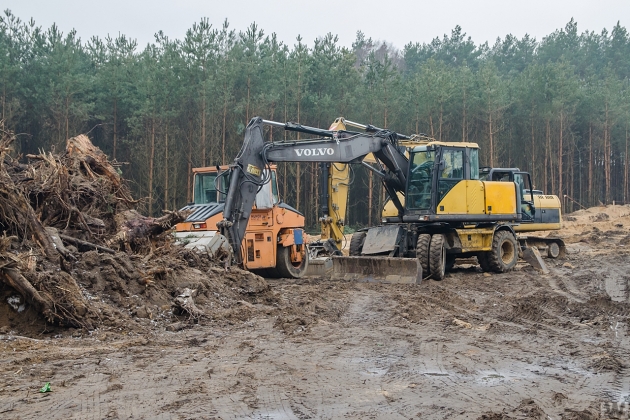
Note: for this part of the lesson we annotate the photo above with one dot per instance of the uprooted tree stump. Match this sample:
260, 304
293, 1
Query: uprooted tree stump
185, 304
136, 230
58, 200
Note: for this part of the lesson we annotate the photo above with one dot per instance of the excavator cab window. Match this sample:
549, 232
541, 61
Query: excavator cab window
205, 190
420, 179
451, 170
524, 187
473, 163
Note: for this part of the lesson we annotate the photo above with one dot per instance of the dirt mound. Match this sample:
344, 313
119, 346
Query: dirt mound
75, 253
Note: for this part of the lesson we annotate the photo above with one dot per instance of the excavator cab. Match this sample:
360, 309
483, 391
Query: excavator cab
524, 189
436, 170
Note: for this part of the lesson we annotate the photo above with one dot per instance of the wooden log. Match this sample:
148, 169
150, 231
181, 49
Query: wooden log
15, 280
86, 244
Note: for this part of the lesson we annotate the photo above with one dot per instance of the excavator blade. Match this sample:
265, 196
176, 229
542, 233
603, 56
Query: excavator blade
319, 266
377, 269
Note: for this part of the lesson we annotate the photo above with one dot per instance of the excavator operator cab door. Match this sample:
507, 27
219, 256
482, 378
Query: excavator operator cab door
421, 183
525, 194
450, 170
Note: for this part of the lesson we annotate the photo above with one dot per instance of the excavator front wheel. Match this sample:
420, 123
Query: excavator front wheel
287, 268
422, 251
437, 257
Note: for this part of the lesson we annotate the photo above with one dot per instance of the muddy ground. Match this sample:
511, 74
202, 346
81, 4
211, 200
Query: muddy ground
475, 345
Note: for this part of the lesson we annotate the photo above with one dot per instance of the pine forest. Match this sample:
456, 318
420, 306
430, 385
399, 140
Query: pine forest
558, 107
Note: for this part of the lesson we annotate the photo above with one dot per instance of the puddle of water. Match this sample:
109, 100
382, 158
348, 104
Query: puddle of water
374, 366
615, 287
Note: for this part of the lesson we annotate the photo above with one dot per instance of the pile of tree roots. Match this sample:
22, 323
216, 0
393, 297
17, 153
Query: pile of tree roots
56, 207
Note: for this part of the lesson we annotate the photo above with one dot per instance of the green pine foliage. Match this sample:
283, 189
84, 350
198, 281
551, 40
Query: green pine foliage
558, 107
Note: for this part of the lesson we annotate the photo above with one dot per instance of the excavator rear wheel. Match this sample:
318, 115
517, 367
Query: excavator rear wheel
437, 257
553, 250
422, 251
504, 254
287, 268
356, 243
482, 258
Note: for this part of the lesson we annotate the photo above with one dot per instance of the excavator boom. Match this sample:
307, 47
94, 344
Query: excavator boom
335, 147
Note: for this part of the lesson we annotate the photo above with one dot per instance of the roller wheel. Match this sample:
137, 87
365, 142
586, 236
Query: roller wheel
450, 262
482, 258
287, 268
504, 254
437, 257
356, 243
422, 250
554, 250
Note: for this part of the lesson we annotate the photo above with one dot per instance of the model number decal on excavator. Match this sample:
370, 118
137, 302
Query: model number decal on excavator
320, 151
253, 170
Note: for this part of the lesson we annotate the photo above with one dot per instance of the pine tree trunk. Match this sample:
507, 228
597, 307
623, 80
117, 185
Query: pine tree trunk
247, 106
203, 127
4, 101
440, 122
67, 117
464, 117
299, 98
189, 192
491, 140
607, 157
533, 151
560, 186
151, 159
546, 166
625, 170
115, 127
166, 163
590, 164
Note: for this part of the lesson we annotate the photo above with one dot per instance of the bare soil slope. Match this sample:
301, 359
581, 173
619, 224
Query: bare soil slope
515, 345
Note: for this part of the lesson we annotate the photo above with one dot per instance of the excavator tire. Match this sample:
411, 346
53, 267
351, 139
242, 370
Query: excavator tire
422, 251
437, 257
482, 258
504, 254
286, 268
356, 243
450, 262
554, 250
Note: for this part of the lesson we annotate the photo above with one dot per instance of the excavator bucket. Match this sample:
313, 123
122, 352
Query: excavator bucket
377, 269
210, 243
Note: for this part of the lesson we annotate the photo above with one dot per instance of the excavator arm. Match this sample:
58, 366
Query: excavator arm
247, 171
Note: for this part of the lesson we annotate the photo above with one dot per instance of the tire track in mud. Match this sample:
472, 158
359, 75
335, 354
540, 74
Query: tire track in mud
554, 281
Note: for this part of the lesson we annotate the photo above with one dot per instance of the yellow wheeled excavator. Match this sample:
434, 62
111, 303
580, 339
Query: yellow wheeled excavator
447, 209
334, 198
539, 212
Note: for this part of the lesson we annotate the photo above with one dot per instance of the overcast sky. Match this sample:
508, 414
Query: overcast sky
394, 21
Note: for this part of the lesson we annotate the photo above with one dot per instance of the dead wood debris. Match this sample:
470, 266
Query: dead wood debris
53, 207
